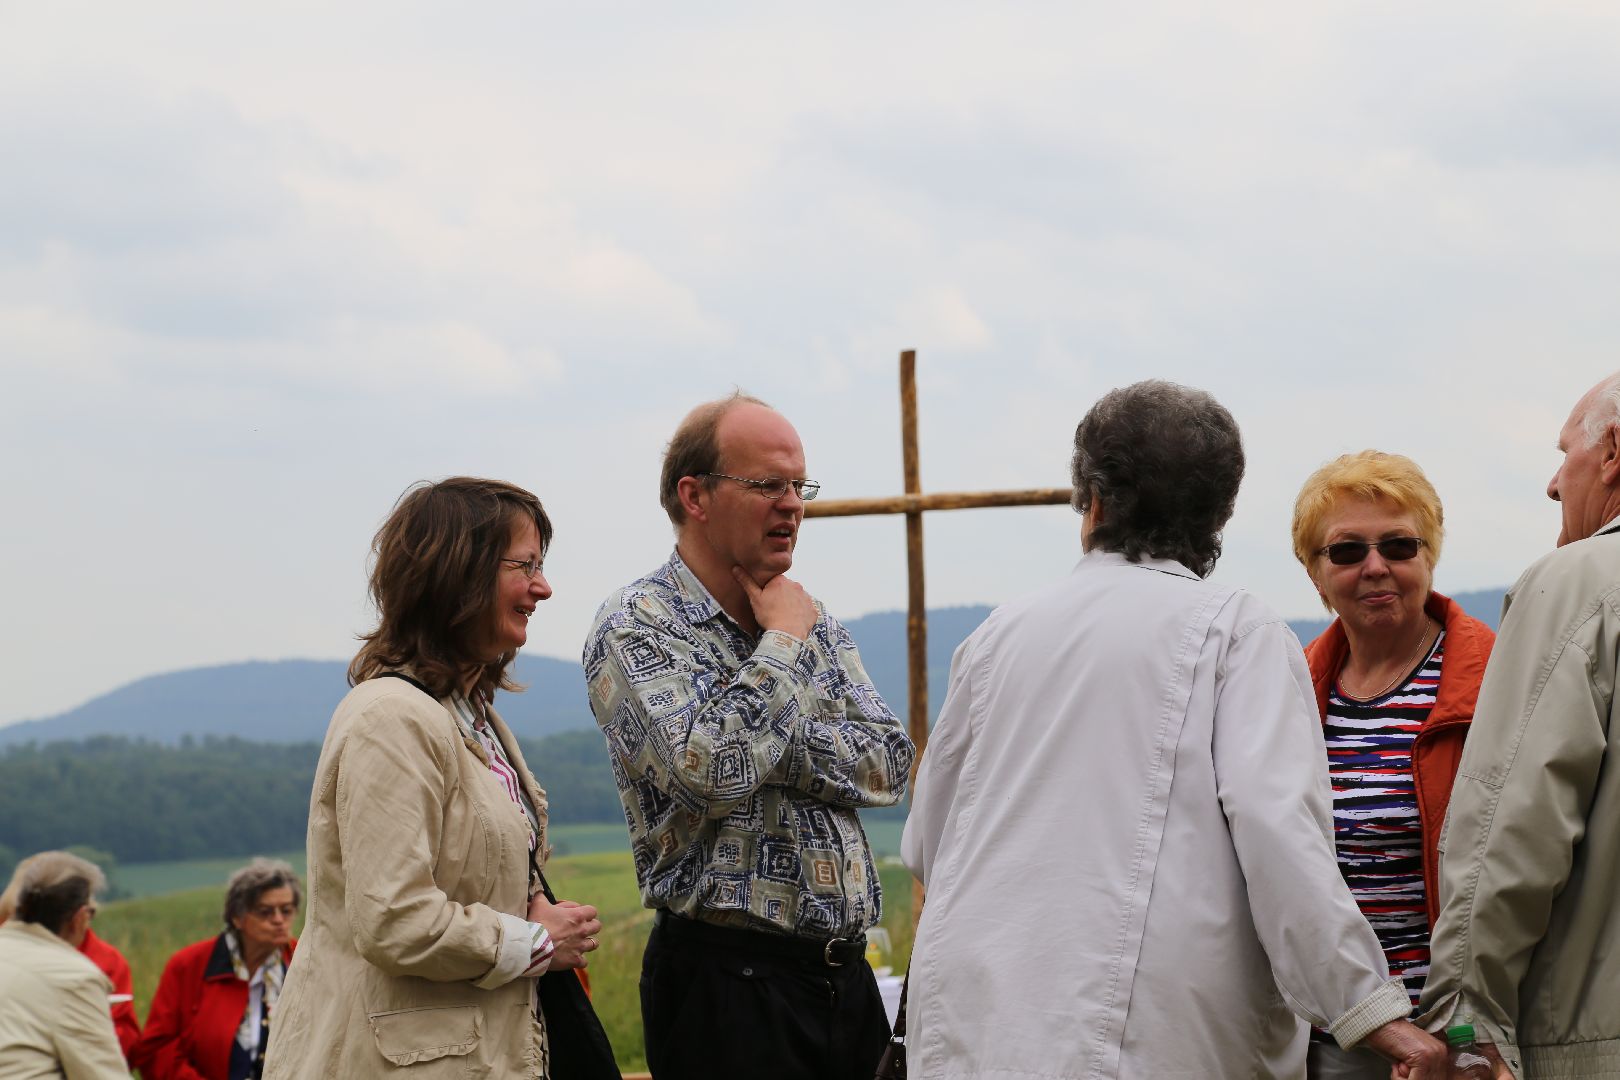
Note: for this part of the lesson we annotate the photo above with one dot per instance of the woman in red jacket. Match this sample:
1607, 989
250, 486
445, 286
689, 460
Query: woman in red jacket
210, 1018
1396, 676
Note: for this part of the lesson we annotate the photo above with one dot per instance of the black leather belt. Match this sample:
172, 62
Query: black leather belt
830, 952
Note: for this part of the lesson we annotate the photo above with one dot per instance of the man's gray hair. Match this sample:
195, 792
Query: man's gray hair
50, 887
1604, 410
1164, 461
243, 890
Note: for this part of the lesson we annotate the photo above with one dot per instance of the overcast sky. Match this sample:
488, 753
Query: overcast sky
262, 266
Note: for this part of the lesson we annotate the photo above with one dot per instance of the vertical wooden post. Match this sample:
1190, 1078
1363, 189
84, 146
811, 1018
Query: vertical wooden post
916, 605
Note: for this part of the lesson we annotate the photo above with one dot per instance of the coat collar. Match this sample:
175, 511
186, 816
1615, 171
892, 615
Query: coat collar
35, 932
1468, 647
219, 960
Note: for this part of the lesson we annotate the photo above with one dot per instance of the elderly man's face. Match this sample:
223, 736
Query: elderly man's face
743, 527
1584, 484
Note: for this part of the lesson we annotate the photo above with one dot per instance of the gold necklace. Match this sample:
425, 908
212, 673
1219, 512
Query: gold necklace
1400, 675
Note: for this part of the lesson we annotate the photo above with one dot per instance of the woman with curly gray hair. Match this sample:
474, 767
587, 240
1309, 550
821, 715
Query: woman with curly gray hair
1121, 819
210, 1017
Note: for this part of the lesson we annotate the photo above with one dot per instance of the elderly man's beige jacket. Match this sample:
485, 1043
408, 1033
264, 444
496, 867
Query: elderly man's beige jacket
54, 1016
1527, 947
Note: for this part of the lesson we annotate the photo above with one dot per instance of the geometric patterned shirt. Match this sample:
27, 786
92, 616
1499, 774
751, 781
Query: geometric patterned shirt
741, 760
1375, 814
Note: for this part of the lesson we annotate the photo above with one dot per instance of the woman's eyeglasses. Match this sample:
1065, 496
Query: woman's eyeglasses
530, 567
1351, 552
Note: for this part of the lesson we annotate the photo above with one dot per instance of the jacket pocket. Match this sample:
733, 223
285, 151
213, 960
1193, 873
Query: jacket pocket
409, 1036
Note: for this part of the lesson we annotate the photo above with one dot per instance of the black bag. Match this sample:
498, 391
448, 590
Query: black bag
579, 1047
892, 1065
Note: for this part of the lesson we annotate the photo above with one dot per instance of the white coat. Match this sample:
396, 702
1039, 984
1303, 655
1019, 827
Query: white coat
1123, 824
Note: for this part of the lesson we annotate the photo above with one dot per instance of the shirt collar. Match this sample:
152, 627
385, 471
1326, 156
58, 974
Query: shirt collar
693, 590
1612, 526
1097, 557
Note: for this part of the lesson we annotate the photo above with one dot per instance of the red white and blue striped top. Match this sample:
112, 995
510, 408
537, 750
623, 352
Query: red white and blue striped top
1376, 831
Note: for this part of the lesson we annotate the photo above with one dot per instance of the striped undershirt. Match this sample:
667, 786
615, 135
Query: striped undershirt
1376, 830
474, 723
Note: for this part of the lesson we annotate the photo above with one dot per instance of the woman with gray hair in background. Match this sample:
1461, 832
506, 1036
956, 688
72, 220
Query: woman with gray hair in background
53, 1000
210, 1018
1122, 816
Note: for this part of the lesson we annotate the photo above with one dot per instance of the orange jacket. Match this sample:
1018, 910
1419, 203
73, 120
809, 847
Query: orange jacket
1439, 743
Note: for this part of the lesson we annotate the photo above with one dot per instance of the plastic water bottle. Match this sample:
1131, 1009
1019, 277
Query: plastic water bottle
1466, 1058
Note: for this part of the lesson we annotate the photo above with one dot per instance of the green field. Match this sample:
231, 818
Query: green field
157, 878
150, 928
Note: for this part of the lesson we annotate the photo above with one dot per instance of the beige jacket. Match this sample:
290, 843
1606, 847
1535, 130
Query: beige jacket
1528, 943
54, 1016
418, 884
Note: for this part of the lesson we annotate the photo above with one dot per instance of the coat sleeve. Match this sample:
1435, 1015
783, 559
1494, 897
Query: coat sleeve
939, 777
158, 1055
1525, 784
86, 1044
1271, 778
395, 777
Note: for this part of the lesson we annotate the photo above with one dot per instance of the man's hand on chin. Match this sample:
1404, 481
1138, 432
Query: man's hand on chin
780, 604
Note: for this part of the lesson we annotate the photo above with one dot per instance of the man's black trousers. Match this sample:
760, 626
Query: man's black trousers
740, 1004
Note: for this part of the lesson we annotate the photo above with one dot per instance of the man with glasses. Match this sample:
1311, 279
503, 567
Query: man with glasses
1527, 946
744, 735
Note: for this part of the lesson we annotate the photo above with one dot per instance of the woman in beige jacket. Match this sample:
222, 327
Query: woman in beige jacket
425, 929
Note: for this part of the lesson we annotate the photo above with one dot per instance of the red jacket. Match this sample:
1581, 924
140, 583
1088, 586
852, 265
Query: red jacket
195, 1014
116, 968
1439, 743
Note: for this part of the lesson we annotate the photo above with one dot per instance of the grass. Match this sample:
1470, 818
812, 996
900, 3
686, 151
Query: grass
156, 878
588, 839
150, 928
134, 880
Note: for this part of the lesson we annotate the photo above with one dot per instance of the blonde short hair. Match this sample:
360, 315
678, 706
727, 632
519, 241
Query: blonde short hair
1369, 474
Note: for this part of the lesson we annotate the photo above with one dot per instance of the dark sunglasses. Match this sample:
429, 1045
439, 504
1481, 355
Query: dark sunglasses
1394, 549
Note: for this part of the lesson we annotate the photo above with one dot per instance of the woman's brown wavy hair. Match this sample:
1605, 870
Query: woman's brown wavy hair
434, 567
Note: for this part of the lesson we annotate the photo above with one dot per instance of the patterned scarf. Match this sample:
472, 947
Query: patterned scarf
274, 972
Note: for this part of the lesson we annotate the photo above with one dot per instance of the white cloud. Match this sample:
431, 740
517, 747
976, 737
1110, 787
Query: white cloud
262, 267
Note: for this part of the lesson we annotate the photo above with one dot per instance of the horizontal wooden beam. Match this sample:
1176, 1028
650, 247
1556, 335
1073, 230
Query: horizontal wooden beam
959, 500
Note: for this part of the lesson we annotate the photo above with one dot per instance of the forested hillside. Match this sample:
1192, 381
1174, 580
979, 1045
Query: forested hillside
144, 801
158, 794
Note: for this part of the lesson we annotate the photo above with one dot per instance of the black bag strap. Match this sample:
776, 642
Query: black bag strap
400, 675
892, 1065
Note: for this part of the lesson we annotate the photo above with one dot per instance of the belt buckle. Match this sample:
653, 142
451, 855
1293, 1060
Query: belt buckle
827, 955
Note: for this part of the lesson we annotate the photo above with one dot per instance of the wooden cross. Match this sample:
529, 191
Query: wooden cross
914, 504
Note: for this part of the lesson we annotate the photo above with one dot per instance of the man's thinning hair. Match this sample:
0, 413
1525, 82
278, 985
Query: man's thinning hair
1164, 461
694, 450
50, 887
1604, 410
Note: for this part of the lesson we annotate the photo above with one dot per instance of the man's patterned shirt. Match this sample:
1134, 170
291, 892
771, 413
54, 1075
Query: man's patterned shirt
741, 761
